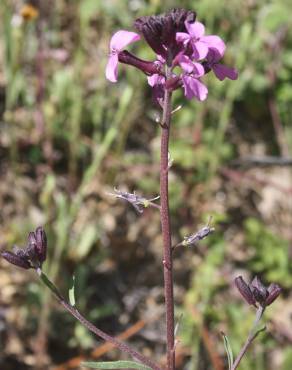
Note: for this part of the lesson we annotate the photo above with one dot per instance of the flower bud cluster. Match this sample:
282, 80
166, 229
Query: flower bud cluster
256, 292
33, 255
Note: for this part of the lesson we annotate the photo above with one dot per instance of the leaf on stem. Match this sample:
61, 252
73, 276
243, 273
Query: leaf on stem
258, 331
115, 365
228, 350
72, 292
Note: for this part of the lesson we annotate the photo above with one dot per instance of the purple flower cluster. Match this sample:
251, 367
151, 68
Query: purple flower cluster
33, 255
178, 41
256, 292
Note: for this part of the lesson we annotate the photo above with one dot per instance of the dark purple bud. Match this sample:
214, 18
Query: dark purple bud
149, 68
33, 255
16, 260
259, 291
41, 244
160, 30
274, 291
245, 291
32, 238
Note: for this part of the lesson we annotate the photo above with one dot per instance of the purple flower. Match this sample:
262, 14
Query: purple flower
199, 43
221, 71
118, 41
33, 255
256, 292
179, 41
193, 87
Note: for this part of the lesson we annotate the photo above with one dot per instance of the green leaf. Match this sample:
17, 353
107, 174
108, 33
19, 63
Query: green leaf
72, 292
115, 365
228, 350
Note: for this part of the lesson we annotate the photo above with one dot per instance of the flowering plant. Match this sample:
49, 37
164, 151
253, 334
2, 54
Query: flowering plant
184, 54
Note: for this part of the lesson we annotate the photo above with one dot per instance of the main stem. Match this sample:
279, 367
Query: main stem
166, 231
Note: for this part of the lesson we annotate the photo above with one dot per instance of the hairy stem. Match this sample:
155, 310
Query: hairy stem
251, 337
166, 231
108, 338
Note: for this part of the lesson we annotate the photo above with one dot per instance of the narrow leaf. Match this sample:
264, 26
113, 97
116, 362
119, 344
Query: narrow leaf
115, 365
72, 292
228, 350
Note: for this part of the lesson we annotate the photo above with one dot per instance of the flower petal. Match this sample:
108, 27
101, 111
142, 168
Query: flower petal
111, 71
200, 50
194, 88
123, 38
195, 29
155, 79
182, 37
213, 56
215, 42
222, 71
198, 70
186, 64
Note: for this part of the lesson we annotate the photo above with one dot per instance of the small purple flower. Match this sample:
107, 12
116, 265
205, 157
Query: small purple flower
221, 71
199, 43
33, 255
118, 41
256, 292
193, 87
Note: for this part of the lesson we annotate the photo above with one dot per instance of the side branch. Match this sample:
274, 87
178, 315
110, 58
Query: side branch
74, 312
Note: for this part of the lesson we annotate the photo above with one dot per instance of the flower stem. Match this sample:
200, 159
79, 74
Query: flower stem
108, 338
251, 337
166, 230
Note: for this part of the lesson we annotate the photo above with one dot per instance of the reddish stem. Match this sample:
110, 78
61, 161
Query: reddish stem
251, 337
108, 338
166, 231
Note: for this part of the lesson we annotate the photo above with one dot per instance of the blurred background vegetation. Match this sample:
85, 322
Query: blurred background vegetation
68, 137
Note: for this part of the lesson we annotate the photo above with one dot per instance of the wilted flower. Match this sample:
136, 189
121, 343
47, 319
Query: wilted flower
256, 292
178, 41
138, 202
193, 239
33, 255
